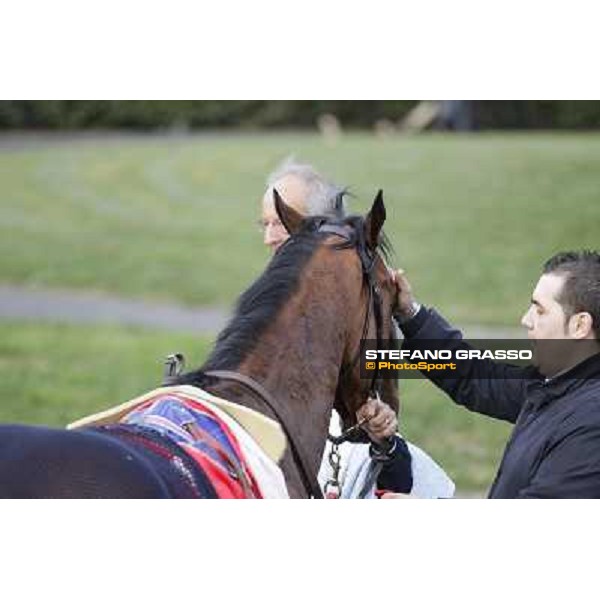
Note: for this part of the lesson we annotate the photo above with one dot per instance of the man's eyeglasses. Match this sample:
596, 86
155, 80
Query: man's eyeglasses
264, 224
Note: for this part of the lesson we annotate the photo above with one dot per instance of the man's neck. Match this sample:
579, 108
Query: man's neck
581, 353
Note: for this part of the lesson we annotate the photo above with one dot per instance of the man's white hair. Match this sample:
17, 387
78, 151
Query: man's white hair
322, 194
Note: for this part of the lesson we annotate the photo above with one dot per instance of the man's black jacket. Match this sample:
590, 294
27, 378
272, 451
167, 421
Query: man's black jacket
554, 449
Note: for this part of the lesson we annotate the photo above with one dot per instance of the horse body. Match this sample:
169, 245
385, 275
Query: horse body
297, 332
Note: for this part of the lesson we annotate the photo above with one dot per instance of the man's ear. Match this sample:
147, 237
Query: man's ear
374, 221
290, 219
581, 326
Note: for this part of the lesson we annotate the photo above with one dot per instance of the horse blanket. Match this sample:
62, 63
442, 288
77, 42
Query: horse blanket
235, 447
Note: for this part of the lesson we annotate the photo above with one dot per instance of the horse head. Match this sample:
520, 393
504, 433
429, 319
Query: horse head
365, 261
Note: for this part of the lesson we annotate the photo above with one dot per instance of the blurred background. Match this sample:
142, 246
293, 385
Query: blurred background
129, 228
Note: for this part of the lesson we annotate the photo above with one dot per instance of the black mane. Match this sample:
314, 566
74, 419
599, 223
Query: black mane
257, 306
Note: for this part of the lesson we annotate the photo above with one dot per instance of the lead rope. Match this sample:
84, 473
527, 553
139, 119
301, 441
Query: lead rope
380, 454
333, 487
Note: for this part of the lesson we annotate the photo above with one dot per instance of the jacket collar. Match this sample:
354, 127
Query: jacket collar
572, 379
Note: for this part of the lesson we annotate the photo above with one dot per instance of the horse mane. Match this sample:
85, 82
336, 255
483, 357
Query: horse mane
258, 305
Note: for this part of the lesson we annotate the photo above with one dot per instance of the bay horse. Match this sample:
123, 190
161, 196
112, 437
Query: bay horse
290, 352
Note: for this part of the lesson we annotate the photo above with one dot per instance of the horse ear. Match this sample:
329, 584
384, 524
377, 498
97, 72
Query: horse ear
339, 204
374, 221
290, 219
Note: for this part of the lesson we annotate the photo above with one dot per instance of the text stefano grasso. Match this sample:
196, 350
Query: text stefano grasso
461, 354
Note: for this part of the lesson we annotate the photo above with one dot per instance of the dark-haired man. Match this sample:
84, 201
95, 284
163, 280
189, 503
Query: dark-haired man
554, 449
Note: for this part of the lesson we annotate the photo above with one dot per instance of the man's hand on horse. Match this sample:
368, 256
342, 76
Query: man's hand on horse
381, 422
405, 306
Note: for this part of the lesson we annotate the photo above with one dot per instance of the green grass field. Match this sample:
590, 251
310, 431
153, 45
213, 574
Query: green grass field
52, 374
471, 217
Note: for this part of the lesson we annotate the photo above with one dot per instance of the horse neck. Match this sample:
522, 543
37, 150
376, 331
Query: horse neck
298, 357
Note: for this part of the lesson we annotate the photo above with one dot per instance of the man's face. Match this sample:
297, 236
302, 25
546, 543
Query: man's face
294, 192
545, 319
